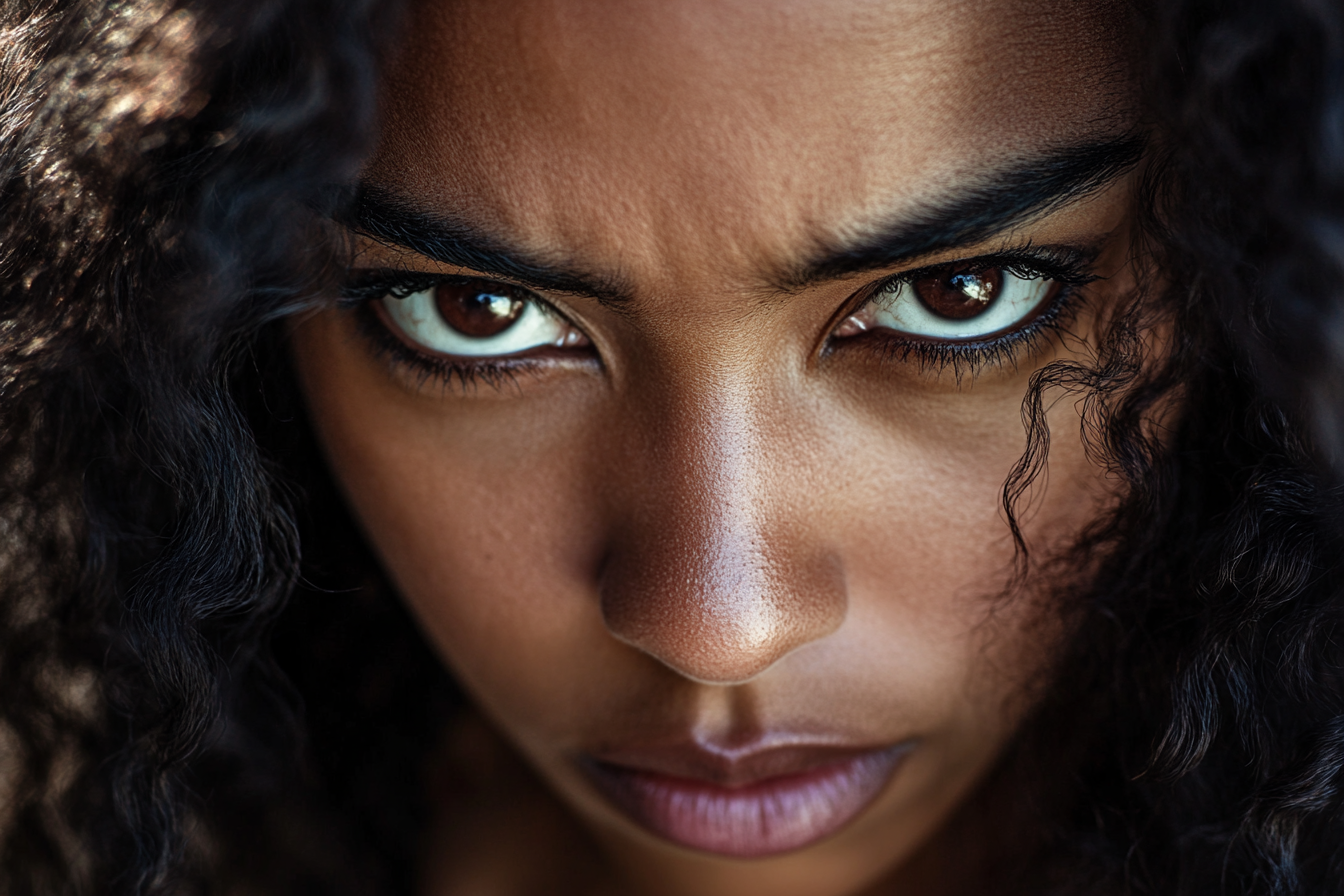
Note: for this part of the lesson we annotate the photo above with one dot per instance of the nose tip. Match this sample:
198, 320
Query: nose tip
724, 608
715, 567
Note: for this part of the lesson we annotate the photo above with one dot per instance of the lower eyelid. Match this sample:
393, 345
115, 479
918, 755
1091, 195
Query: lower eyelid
498, 372
976, 352
973, 355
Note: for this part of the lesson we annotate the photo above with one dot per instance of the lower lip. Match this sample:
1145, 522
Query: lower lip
768, 817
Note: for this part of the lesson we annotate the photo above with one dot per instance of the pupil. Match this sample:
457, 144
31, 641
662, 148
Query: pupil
960, 294
478, 309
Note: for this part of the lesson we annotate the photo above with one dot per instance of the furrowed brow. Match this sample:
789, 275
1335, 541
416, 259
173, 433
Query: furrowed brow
393, 219
1004, 198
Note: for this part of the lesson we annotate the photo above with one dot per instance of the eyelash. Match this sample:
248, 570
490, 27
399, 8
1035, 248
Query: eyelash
1069, 266
370, 286
1066, 265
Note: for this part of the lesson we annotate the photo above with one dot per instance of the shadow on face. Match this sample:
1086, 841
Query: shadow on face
688, 368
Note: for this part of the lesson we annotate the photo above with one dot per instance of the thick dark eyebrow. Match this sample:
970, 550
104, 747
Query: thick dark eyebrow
1024, 189
393, 219
1005, 197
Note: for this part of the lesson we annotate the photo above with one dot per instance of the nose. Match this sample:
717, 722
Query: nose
716, 570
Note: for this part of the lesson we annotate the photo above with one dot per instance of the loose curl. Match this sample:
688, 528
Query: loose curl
187, 707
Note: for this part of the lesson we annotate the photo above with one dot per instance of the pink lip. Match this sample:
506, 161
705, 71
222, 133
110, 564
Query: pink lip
761, 804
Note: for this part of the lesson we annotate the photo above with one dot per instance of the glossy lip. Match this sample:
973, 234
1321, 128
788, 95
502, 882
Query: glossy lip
744, 805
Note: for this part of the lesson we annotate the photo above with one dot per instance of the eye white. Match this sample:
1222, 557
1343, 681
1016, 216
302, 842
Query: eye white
417, 317
897, 307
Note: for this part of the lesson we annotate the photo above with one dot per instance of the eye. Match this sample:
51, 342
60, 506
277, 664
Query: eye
953, 303
476, 318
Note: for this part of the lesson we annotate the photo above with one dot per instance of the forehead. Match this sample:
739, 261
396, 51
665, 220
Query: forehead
638, 132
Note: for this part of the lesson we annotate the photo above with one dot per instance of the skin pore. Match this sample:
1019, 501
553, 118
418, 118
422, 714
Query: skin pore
726, 521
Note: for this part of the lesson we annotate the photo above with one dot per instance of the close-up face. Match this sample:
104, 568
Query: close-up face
679, 377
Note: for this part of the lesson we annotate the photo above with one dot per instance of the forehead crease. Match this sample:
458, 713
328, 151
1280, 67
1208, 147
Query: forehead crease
685, 68
740, 130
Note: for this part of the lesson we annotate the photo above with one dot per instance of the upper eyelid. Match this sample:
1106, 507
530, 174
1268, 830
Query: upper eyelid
970, 354
1060, 258
404, 257
384, 279
1058, 261
1069, 263
1029, 255
388, 279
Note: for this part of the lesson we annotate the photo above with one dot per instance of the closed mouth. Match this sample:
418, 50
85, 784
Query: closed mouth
770, 803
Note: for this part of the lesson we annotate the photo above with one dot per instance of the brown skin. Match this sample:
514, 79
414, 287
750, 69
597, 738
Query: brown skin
719, 522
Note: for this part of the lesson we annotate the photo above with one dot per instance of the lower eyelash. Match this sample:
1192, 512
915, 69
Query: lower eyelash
496, 373
965, 358
971, 357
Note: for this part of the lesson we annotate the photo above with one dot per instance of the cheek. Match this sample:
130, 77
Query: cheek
929, 555
494, 516
486, 516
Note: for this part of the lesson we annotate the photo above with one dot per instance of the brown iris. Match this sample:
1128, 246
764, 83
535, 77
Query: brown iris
960, 293
479, 308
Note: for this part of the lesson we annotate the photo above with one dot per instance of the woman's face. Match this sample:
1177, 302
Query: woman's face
685, 436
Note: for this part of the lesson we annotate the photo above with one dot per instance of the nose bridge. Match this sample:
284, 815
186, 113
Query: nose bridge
713, 573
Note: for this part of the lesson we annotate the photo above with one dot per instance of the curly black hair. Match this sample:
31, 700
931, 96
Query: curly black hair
188, 704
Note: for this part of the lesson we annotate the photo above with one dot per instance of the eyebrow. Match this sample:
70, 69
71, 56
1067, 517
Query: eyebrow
1004, 197
393, 219
1010, 195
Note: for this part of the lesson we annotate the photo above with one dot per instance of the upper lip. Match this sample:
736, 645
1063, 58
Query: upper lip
730, 767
